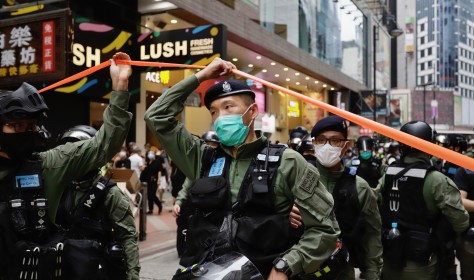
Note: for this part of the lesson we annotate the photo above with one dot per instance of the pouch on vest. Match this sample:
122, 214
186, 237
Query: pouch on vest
82, 259
209, 193
394, 251
418, 246
252, 237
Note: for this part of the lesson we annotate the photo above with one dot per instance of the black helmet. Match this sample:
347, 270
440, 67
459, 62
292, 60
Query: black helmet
306, 144
210, 136
365, 143
23, 103
393, 146
77, 133
296, 135
418, 129
442, 139
458, 141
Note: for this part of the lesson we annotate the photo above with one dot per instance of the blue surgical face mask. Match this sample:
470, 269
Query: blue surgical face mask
231, 129
366, 155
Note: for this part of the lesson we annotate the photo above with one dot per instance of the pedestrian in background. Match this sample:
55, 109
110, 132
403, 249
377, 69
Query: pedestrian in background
122, 160
151, 175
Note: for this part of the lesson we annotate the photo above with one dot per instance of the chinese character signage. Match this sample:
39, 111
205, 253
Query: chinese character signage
33, 49
198, 45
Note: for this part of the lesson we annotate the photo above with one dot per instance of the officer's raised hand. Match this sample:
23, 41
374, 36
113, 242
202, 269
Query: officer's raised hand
120, 72
217, 68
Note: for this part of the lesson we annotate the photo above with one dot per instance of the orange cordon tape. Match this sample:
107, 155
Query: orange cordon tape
107, 63
408, 139
402, 137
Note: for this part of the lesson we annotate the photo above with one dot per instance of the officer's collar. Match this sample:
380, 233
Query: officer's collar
416, 156
248, 150
87, 181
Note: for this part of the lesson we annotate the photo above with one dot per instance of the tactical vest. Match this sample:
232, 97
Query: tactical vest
403, 203
24, 219
369, 171
87, 219
248, 225
347, 210
88, 234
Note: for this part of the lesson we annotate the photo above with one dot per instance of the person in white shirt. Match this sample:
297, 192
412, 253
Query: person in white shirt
137, 162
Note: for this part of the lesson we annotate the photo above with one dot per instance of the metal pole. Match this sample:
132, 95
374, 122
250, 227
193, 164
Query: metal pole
143, 209
424, 97
424, 102
434, 116
374, 46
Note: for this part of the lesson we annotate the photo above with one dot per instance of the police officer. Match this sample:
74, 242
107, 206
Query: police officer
223, 194
211, 138
296, 135
355, 202
464, 179
368, 167
393, 153
46, 175
306, 149
457, 143
93, 208
425, 206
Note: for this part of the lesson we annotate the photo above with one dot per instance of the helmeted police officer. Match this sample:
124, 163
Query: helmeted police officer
457, 143
296, 135
211, 138
306, 149
368, 167
393, 153
41, 179
425, 206
94, 209
464, 179
223, 195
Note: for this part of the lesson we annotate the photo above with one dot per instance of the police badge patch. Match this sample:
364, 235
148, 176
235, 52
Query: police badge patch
226, 87
307, 183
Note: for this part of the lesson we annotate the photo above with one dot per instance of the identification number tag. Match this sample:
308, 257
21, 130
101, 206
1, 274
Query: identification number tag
27, 181
217, 167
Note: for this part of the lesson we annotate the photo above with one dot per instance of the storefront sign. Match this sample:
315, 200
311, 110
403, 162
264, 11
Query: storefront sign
294, 109
185, 46
94, 43
32, 49
158, 77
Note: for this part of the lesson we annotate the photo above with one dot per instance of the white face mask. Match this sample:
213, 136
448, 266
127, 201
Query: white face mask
327, 155
151, 156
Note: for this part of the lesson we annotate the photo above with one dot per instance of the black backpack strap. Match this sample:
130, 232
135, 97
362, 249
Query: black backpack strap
208, 156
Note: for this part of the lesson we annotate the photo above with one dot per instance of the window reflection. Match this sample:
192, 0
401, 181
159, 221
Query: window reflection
335, 32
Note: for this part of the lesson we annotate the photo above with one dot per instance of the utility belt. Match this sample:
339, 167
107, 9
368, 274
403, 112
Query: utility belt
69, 259
411, 245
